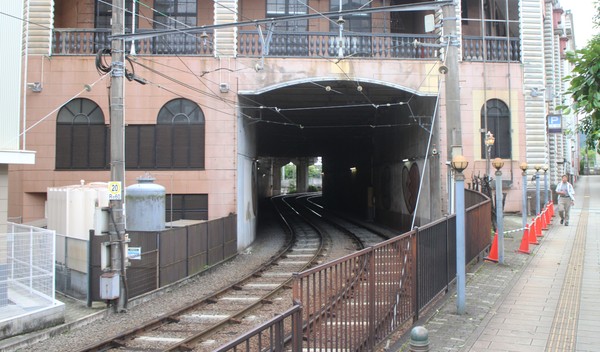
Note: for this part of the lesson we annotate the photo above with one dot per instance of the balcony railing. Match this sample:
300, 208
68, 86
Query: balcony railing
497, 49
90, 41
328, 44
292, 44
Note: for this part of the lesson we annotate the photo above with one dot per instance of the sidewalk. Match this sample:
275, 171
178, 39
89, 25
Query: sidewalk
548, 300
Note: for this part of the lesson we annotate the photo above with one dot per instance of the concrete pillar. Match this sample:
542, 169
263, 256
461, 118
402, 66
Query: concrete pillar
276, 176
302, 175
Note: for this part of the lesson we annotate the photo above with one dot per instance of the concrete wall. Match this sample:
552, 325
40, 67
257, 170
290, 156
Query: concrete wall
247, 184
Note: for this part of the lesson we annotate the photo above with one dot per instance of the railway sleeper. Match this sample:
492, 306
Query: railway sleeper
118, 343
234, 321
185, 347
173, 319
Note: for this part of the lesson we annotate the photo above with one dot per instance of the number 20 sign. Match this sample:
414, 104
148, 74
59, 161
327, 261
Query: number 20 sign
114, 190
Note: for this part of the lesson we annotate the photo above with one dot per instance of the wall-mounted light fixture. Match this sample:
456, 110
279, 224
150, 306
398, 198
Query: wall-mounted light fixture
35, 87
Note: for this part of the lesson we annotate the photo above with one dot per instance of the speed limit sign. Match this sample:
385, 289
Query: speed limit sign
114, 190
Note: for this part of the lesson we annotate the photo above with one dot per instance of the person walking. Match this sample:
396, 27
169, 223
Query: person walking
566, 198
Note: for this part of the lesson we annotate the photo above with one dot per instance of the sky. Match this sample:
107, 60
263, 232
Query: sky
583, 12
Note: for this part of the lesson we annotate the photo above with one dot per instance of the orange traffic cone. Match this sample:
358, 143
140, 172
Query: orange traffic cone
493, 256
524, 248
544, 220
551, 209
548, 217
538, 226
531, 233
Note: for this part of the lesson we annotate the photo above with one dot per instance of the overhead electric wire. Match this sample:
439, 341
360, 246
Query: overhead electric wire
216, 96
394, 8
24, 20
85, 89
104, 68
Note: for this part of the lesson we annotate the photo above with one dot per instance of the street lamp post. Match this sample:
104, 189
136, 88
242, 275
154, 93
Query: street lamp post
459, 164
498, 163
489, 142
537, 188
523, 167
546, 189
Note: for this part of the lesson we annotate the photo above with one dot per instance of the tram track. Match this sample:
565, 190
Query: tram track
208, 322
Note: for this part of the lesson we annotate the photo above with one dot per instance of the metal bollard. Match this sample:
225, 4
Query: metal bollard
419, 339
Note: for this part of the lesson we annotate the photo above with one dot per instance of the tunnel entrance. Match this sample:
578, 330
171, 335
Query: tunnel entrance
372, 137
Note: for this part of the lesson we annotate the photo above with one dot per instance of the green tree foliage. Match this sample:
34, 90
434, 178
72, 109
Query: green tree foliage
314, 171
585, 86
289, 171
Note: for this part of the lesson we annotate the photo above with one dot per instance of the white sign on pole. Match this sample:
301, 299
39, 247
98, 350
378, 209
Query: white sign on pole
134, 253
114, 190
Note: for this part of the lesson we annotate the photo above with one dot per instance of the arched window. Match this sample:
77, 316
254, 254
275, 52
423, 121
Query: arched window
498, 122
175, 142
81, 136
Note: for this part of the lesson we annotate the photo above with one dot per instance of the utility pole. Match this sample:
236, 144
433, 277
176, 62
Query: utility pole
453, 121
117, 152
454, 145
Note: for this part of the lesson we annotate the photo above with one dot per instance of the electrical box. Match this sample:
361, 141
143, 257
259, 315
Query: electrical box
429, 23
109, 286
105, 263
101, 220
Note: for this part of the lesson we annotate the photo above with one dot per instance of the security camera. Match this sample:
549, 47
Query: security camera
434, 151
443, 69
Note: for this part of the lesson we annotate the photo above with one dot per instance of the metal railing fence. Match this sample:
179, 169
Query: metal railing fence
27, 268
355, 302
279, 334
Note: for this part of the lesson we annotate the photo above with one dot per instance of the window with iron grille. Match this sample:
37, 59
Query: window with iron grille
282, 8
498, 122
358, 22
104, 13
82, 137
175, 14
175, 142
170, 14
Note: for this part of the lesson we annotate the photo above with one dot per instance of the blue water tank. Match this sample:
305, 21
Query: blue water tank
145, 205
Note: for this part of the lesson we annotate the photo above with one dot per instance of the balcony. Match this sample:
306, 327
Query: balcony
292, 44
497, 49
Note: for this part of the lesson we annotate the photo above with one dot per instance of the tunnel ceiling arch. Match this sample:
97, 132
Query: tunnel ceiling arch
330, 116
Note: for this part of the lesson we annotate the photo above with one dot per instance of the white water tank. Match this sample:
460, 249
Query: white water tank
145, 205
70, 209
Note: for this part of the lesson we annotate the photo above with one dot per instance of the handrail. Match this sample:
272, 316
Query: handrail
306, 44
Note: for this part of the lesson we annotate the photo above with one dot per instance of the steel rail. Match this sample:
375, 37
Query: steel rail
283, 208
359, 270
119, 340
186, 345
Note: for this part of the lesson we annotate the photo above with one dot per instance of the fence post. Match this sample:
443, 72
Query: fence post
278, 344
89, 268
415, 274
297, 328
372, 283
157, 234
53, 264
30, 260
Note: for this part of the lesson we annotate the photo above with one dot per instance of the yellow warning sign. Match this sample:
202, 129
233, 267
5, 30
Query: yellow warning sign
114, 190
